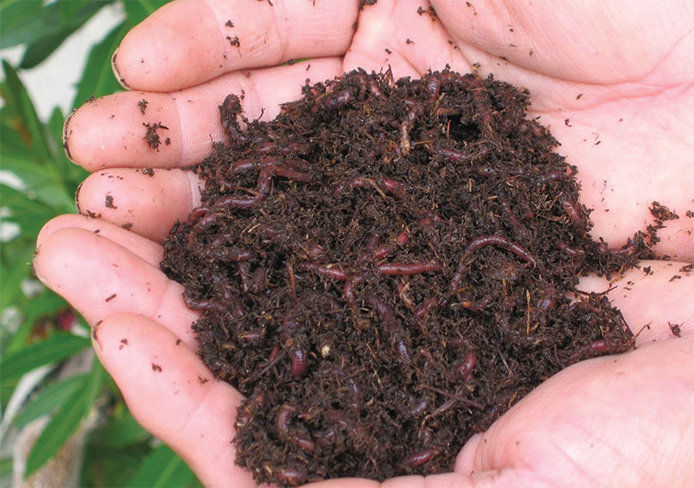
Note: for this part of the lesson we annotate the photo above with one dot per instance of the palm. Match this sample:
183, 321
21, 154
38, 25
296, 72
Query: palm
634, 101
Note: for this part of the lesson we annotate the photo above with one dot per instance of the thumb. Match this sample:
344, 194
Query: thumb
497, 478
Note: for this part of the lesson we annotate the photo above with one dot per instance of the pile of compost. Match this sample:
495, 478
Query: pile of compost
387, 267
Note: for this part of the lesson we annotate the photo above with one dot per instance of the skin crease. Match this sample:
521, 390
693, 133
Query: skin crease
615, 84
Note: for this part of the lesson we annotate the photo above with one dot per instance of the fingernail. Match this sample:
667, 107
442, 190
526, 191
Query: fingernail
95, 335
116, 73
77, 197
66, 135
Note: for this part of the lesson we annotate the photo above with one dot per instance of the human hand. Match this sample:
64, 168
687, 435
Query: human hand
642, 158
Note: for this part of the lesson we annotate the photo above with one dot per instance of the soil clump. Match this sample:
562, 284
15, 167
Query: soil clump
385, 269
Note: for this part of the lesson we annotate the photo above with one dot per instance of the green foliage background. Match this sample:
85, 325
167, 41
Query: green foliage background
118, 452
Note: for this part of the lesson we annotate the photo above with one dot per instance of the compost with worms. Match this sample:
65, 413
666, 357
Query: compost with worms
387, 267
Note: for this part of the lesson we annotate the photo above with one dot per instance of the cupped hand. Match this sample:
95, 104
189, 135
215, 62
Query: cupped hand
613, 81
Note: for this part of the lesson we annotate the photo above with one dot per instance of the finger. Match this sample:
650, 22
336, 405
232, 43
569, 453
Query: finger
571, 430
173, 395
147, 203
500, 478
101, 278
622, 170
147, 250
512, 30
405, 37
112, 131
653, 299
188, 42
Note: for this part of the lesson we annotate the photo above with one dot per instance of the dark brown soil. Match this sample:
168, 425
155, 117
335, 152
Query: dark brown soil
387, 267
151, 136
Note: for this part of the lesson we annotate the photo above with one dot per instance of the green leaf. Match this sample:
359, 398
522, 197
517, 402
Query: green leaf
162, 468
121, 432
40, 49
44, 304
22, 114
12, 278
139, 10
41, 181
56, 347
29, 214
16, 15
50, 398
104, 466
29, 21
65, 422
97, 78
6, 467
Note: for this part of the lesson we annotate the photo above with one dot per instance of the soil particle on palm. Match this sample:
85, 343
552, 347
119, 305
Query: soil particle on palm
385, 268
142, 104
661, 212
151, 136
108, 202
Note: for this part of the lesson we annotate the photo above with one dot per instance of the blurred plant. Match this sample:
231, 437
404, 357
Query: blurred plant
39, 331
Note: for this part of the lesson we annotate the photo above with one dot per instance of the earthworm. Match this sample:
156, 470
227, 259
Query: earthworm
393, 327
283, 417
572, 210
600, 347
472, 154
294, 476
196, 214
568, 250
299, 363
292, 174
348, 290
374, 89
405, 269
229, 255
467, 365
522, 231
358, 182
502, 242
405, 128
248, 164
419, 458
335, 101
261, 191
304, 443
356, 431
383, 250
423, 310
206, 305
419, 408
390, 185
327, 271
